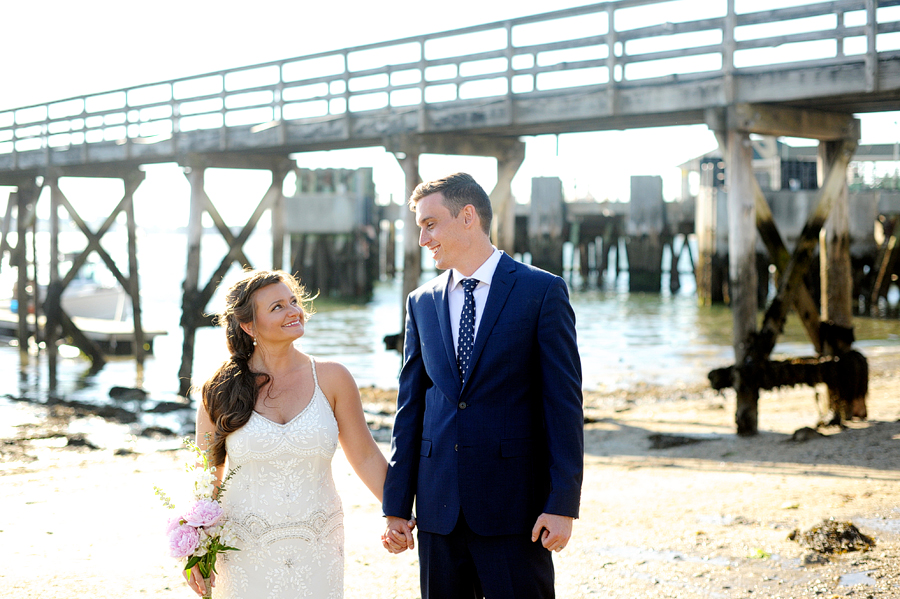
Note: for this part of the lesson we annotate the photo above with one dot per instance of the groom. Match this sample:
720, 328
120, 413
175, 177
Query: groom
488, 437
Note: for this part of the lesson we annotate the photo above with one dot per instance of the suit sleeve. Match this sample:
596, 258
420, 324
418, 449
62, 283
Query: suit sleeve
562, 400
403, 466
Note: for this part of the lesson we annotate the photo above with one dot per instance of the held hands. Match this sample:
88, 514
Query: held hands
398, 536
553, 530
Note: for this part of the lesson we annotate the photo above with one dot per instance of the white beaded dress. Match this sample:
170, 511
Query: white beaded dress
284, 508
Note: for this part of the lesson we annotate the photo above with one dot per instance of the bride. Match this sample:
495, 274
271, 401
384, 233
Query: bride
278, 414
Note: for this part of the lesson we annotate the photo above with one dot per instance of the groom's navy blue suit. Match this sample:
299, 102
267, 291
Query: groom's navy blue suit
506, 445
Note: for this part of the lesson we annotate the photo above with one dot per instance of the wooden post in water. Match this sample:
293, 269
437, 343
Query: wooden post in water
278, 230
132, 180
646, 234
509, 159
545, 224
837, 280
412, 253
51, 325
742, 269
834, 247
24, 199
192, 277
5, 248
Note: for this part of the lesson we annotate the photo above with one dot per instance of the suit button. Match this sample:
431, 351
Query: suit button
462, 405
456, 448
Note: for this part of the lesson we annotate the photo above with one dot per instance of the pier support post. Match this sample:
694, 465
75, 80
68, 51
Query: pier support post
545, 224
837, 281
503, 204
190, 297
195, 298
56, 315
742, 272
412, 253
646, 229
25, 200
132, 180
53, 307
5, 248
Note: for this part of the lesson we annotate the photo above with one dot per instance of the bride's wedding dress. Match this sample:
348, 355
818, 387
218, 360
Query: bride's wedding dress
284, 508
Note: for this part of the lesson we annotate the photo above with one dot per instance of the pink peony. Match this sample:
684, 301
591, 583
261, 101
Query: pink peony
204, 512
183, 541
173, 523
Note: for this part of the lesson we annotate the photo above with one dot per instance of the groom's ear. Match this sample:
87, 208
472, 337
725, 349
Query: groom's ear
470, 215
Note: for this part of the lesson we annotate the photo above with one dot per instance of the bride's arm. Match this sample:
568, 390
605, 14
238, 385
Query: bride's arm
205, 430
353, 433
356, 440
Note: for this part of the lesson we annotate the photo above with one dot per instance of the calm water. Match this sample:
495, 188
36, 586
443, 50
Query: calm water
625, 339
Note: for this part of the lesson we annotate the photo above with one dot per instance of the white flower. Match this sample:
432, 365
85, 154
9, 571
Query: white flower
204, 484
226, 535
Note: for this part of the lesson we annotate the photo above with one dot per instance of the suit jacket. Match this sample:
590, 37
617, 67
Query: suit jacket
508, 444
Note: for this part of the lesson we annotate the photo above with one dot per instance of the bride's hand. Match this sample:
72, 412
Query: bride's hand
398, 536
195, 581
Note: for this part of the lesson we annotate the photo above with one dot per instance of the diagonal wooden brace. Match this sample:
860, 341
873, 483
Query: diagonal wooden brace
800, 261
236, 247
765, 223
219, 222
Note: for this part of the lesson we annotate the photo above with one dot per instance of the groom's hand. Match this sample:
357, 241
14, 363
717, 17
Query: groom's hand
398, 536
553, 530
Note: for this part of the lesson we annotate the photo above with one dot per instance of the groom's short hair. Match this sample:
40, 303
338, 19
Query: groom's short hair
459, 190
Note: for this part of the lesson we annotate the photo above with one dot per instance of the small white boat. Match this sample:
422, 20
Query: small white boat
87, 296
103, 303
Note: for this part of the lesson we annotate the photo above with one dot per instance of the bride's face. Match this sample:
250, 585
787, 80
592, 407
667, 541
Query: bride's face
279, 315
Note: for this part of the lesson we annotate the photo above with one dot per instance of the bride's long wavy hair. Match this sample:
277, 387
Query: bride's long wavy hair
229, 395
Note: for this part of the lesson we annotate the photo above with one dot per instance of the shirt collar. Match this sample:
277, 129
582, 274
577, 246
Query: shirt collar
484, 273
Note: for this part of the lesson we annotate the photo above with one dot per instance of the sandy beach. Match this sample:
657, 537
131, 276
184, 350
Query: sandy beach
674, 503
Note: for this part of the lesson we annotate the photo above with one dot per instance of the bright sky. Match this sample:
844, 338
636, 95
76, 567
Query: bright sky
58, 48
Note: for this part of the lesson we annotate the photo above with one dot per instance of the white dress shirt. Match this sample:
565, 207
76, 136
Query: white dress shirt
456, 293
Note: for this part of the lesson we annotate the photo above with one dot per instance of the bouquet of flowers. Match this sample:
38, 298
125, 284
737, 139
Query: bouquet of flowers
199, 533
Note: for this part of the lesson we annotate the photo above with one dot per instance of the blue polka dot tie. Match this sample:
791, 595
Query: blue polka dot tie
466, 340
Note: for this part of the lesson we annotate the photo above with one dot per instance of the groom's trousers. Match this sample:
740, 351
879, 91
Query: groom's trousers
465, 565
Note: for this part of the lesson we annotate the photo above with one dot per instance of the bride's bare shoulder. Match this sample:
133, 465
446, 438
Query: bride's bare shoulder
333, 375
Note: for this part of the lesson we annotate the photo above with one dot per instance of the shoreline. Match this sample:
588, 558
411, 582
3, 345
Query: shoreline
674, 503
130, 420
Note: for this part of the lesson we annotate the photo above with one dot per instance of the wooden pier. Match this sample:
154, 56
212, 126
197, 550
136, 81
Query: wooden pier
489, 86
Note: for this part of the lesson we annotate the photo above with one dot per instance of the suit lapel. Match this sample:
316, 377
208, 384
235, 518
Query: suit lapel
501, 286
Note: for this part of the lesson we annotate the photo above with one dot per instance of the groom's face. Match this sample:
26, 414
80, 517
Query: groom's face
446, 237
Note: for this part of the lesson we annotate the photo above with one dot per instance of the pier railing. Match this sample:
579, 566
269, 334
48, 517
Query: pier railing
409, 83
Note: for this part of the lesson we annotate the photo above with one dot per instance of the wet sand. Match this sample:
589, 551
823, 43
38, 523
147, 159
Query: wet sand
709, 518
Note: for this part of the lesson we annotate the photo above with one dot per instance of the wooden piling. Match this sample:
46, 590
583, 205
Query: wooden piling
837, 280
190, 288
545, 224
54, 291
24, 199
412, 253
885, 262
792, 277
742, 269
509, 159
132, 181
646, 229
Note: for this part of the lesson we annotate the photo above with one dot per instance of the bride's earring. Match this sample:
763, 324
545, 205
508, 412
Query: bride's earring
254, 342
